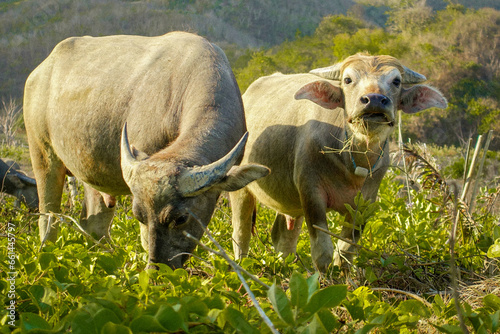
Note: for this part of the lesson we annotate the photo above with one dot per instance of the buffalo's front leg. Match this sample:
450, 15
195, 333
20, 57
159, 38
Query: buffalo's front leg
243, 208
50, 173
321, 243
345, 251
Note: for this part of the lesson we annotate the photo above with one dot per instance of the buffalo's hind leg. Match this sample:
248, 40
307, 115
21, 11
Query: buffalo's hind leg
49, 173
243, 207
285, 234
97, 213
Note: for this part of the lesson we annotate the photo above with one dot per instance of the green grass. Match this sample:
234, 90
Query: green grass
72, 285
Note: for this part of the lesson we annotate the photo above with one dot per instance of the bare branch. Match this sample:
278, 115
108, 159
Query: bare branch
412, 295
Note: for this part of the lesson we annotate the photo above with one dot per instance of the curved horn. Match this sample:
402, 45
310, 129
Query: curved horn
26, 179
128, 160
412, 77
330, 72
196, 180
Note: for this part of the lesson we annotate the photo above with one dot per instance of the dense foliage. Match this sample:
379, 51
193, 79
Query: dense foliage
401, 283
402, 275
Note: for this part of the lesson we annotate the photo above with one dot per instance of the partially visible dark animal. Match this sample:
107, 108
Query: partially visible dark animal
16, 183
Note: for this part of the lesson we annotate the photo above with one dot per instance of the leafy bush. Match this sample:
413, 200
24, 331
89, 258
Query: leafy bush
72, 285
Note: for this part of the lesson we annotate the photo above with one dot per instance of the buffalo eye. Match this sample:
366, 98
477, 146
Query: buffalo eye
180, 220
347, 80
396, 82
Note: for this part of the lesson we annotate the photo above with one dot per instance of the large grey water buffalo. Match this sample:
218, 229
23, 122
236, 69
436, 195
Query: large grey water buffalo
324, 141
174, 98
16, 183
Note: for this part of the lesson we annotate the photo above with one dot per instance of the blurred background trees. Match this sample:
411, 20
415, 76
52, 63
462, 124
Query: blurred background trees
456, 47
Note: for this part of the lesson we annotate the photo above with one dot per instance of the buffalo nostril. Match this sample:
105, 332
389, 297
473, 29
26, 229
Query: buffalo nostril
365, 99
384, 101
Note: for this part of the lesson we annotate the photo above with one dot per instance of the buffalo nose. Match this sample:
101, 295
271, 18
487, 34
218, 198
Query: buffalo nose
375, 99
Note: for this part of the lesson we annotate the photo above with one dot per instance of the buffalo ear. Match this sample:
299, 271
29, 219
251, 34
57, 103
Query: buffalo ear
421, 97
322, 93
239, 176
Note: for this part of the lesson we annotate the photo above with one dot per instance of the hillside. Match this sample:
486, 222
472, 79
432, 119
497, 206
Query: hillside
456, 47
29, 29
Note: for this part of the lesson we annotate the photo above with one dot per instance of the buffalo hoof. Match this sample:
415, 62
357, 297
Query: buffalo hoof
322, 262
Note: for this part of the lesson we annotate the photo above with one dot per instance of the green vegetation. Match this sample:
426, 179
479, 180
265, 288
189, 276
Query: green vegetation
399, 285
402, 275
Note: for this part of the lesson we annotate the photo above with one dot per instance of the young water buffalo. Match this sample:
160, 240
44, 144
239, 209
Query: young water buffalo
324, 141
174, 97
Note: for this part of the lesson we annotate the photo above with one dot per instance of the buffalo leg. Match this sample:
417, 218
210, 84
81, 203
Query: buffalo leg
243, 207
321, 243
286, 235
96, 216
345, 251
50, 174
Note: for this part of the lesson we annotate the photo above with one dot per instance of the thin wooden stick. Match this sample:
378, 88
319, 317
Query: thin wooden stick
454, 271
467, 159
412, 295
479, 172
350, 242
471, 167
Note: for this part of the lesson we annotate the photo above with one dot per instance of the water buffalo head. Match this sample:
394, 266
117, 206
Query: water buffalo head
166, 194
371, 90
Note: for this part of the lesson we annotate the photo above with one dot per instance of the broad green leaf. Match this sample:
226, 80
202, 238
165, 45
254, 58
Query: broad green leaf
298, 290
62, 274
144, 280
31, 321
366, 328
146, 323
438, 306
449, 329
312, 284
29, 267
376, 322
491, 301
495, 321
42, 296
108, 304
281, 304
194, 305
328, 297
81, 322
112, 328
494, 250
170, 319
104, 316
315, 327
414, 307
354, 306
328, 320
370, 275
236, 319
109, 263
46, 259
214, 302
